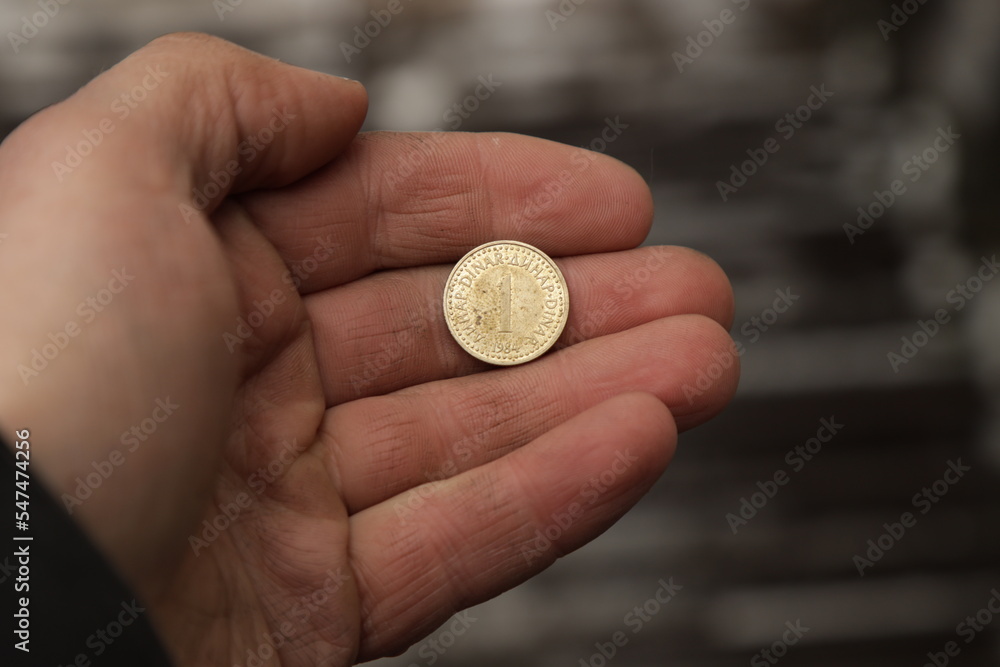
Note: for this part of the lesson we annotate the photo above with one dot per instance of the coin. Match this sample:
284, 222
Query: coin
506, 302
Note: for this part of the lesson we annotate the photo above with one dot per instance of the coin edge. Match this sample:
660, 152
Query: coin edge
542, 350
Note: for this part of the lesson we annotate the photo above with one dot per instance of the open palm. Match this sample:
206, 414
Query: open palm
320, 474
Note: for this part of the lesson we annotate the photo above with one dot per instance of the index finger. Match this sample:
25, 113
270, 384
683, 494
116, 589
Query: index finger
395, 200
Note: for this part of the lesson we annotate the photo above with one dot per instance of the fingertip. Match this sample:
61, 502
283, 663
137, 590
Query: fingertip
650, 421
637, 199
352, 92
215, 117
712, 282
623, 213
569, 199
710, 371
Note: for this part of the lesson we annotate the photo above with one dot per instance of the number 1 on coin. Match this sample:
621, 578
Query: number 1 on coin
505, 304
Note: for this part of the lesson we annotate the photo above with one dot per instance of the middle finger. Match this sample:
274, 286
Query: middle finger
387, 331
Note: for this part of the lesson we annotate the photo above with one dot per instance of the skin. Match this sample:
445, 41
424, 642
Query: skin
417, 475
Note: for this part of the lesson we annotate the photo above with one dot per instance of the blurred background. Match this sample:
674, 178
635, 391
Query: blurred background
839, 160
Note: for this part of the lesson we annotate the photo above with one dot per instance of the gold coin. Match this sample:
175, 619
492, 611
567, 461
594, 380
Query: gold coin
506, 302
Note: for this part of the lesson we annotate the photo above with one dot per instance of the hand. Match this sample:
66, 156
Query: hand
235, 303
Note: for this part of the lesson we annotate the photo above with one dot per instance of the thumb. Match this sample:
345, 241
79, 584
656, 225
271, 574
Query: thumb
95, 189
197, 115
